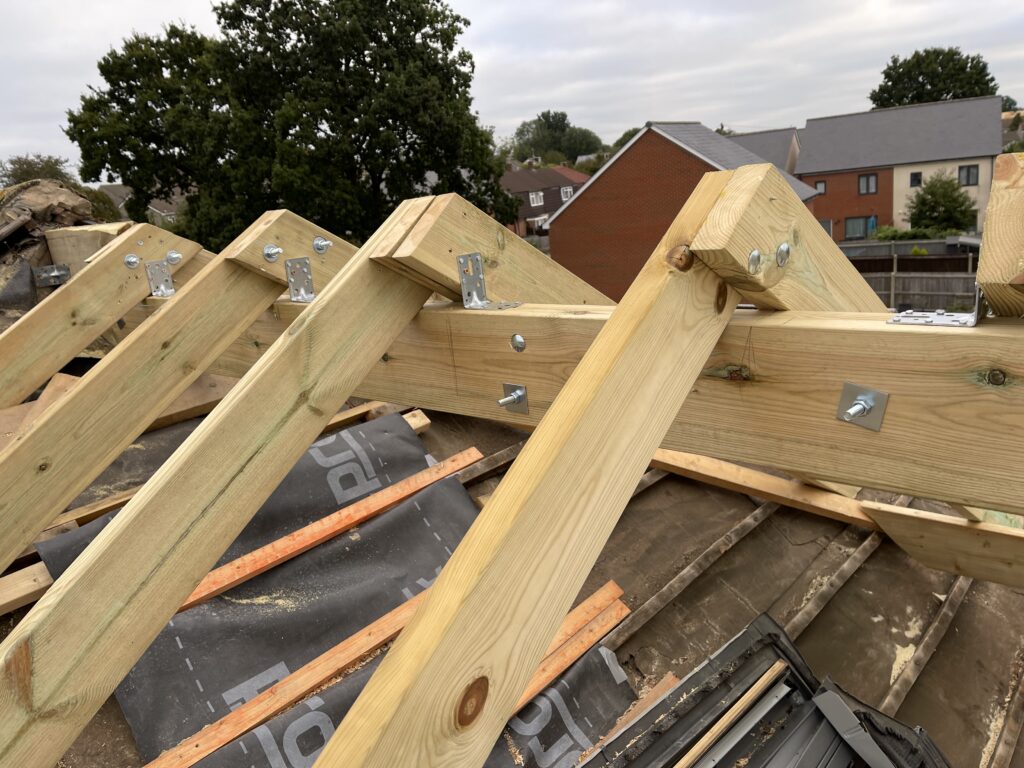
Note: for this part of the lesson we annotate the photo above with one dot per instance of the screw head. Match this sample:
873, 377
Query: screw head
173, 257
518, 342
754, 262
321, 244
782, 254
132, 261
271, 252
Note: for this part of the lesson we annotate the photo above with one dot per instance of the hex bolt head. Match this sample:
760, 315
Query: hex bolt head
754, 262
271, 252
321, 244
132, 261
782, 254
518, 342
173, 257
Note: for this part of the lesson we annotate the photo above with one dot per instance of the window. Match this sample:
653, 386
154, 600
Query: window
915, 178
867, 183
536, 198
857, 227
826, 224
968, 175
566, 193
820, 187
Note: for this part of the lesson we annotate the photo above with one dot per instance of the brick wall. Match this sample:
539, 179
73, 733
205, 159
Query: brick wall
610, 231
842, 198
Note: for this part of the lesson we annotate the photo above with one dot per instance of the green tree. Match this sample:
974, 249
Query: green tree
624, 138
721, 130
933, 74
552, 132
21, 168
335, 109
940, 203
1010, 104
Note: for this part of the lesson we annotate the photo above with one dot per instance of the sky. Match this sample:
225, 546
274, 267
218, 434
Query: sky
610, 64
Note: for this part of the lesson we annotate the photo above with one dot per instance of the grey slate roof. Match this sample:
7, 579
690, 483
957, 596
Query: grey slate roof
721, 151
773, 146
941, 130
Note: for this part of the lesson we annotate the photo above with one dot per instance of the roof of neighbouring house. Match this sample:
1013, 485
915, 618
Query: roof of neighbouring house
535, 179
920, 133
773, 146
701, 142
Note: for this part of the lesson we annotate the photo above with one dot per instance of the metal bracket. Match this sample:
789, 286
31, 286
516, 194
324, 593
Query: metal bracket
474, 292
862, 406
51, 274
515, 398
161, 284
942, 317
300, 280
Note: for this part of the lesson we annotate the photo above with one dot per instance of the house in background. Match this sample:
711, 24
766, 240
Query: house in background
781, 147
163, 213
541, 192
607, 230
865, 166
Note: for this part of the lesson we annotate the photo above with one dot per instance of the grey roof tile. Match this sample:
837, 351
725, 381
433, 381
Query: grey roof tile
941, 130
721, 151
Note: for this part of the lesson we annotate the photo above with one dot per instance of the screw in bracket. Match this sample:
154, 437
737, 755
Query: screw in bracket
132, 261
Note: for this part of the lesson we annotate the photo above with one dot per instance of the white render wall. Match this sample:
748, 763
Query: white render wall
901, 189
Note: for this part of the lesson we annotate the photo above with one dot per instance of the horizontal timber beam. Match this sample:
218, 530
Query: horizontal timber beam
768, 394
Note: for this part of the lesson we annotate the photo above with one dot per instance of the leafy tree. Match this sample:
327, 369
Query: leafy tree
934, 74
624, 138
552, 132
335, 109
723, 131
1010, 104
21, 168
940, 203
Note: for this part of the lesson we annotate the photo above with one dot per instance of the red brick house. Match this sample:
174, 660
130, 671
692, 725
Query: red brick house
607, 230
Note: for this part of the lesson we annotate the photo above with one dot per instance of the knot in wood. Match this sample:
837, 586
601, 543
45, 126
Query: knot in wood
472, 702
680, 257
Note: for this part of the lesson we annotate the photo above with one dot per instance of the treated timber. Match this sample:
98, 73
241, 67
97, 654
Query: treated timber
979, 550
1001, 262
294, 235
75, 246
44, 469
455, 675
768, 393
513, 269
792, 493
66, 657
42, 341
262, 559
26, 585
758, 210
767, 396
333, 663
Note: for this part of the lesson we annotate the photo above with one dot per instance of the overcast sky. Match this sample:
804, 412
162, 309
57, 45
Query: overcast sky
611, 64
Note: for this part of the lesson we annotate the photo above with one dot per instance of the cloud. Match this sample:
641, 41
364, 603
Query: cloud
611, 64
